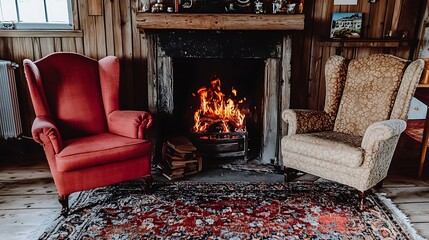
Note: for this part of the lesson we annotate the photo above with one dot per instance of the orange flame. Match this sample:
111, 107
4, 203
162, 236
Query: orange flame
214, 109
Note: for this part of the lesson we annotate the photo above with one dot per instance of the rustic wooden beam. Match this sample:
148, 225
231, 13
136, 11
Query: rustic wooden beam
198, 21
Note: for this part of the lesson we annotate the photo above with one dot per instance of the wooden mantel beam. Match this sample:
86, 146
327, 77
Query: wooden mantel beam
198, 21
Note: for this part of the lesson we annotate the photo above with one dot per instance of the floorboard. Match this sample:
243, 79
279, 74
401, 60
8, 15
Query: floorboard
20, 217
22, 174
422, 229
410, 194
20, 232
41, 201
39, 186
417, 212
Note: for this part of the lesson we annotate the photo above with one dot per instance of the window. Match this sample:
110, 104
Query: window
36, 14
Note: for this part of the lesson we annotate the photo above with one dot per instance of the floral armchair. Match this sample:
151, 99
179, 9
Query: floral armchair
87, 140
353, 139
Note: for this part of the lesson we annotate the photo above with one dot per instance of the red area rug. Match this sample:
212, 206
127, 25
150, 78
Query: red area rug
228, 211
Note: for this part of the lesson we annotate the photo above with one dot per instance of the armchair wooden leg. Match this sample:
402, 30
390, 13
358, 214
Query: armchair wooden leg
148, 184
64, 201
362, 196
379, 185
287, 174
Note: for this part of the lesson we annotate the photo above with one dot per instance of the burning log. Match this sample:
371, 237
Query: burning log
217, 114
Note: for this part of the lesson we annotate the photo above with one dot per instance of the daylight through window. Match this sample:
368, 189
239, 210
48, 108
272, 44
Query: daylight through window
36, 14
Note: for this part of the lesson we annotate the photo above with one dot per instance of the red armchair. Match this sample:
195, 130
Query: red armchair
88, 142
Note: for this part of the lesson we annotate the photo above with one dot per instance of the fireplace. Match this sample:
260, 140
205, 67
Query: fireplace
254, 63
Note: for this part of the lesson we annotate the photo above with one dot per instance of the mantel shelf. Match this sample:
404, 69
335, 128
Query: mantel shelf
200, 21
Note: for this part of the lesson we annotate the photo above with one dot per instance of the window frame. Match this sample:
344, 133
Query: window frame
45, 25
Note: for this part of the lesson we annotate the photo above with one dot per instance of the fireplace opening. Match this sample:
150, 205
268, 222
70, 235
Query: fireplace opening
242, 80
255, 63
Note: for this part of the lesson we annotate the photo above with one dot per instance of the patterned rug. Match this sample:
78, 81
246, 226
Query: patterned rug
186, 210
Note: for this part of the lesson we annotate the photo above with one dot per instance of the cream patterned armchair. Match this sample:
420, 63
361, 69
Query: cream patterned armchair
353, 140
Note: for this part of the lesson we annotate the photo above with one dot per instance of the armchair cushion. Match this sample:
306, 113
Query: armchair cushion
99, 149
369, 93
334, 147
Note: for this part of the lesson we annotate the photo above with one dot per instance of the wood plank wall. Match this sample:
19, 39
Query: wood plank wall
113, 33
423, 35
398, 16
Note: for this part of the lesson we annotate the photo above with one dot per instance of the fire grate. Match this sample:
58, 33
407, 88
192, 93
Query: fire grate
219, 145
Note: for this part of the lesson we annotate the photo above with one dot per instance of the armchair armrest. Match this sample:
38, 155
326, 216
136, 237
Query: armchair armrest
129, 123
45, 126
305, 121
381, 131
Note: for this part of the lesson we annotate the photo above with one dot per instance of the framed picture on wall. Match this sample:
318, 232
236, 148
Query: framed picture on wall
346, 25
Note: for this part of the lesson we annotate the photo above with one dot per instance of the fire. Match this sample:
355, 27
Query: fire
215, 111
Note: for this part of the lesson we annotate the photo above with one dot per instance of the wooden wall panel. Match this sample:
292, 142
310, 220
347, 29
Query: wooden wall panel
46, 46
322, 19
110, 40
22, 48
117, 33
68, 45
100, 36
374, 20
139, 70
79, 46
423, 34
388, 17
37, 49
127, 50
95, 7
7, 49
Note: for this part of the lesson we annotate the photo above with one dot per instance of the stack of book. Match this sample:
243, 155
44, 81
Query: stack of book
179, 158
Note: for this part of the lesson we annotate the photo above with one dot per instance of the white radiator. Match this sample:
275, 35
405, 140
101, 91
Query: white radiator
10, 119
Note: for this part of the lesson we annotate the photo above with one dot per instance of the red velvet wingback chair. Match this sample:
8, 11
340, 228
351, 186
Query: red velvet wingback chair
87, 140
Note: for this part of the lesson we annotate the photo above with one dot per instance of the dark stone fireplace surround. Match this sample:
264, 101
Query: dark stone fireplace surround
274, 47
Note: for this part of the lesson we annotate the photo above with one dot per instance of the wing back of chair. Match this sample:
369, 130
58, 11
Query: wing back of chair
66, 87
406, 91
370, 92
335, 77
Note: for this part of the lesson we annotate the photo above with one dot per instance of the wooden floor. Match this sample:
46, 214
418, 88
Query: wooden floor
28, 199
